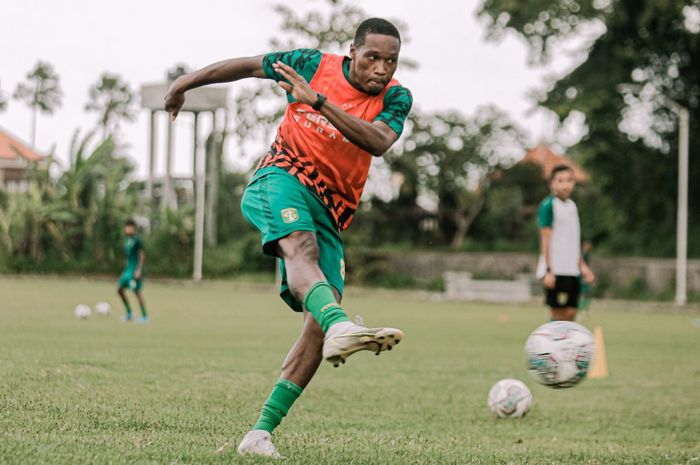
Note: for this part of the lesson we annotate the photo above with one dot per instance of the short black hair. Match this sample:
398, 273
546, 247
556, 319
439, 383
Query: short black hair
558, 169
130, 222
374, 26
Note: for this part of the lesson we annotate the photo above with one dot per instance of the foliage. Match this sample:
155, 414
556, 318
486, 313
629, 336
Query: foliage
75, 218
450, 160
112, 99
169, 246
654, 44
41, 92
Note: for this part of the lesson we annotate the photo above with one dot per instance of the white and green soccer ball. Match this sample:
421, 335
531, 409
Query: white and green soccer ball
82, 311
509, 398
559, 353
103, 308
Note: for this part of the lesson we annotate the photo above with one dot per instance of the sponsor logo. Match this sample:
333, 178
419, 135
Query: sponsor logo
289, 215
327, 306
319, 123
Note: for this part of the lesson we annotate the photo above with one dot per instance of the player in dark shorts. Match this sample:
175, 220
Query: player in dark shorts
561, 263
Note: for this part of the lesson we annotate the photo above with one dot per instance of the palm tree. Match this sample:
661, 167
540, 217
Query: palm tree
93, 186
33, 222
41, 92
113, 100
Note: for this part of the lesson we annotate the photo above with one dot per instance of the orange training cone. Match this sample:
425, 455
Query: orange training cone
599, 367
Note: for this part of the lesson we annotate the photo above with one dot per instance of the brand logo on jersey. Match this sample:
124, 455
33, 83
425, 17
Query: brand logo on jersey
319, 123
289, 215
342, 268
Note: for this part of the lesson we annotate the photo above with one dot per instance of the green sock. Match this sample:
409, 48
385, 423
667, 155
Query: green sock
277, 405
143, 311
320, 302
128, 309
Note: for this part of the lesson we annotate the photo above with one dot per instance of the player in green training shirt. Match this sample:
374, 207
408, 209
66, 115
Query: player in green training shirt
132, 277
342, 111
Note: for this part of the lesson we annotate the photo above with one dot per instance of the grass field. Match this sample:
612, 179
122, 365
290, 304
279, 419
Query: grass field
173, 391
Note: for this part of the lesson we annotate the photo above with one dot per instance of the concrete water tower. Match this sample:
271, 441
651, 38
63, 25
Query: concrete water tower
201, 101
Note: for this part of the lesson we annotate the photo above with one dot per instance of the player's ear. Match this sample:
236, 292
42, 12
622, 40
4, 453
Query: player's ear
353, 51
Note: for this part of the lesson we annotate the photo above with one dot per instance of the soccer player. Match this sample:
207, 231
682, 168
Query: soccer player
561, 263
341, 112
132, 277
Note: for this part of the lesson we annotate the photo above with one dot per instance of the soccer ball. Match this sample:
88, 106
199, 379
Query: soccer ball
509, 398
102, 308
559, 353
82, 311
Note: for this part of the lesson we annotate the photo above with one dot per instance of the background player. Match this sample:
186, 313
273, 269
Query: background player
132, 276
561, 263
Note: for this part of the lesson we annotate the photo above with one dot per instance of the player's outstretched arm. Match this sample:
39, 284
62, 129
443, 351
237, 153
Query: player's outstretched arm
373, 137
222, 71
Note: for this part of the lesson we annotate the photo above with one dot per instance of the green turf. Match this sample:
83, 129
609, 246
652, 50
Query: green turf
171, 392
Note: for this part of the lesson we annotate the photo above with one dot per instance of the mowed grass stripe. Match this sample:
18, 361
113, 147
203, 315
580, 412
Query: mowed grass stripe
98, 391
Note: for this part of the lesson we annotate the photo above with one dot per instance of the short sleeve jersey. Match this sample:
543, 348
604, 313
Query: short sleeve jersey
311, 149
132, 248
565, 242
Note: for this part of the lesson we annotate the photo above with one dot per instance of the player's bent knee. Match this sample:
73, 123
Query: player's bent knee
300, 245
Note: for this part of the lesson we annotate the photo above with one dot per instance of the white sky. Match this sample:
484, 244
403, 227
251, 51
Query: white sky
140, 40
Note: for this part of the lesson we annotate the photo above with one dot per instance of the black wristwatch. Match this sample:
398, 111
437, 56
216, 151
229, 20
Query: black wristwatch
321, 99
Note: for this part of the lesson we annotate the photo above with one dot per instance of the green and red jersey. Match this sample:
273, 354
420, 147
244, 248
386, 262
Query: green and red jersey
311, 149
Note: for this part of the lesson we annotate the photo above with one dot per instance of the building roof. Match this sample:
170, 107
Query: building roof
544, 156
11, 148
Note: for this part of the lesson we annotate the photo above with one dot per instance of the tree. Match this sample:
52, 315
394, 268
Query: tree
94, 188
112, 99
31, 222
41, 92
654, 44
450, 159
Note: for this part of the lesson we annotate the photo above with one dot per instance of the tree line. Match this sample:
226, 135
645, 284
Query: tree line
448, 184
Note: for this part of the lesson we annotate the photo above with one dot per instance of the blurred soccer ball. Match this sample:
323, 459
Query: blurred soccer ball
103, 308
82, 311
509, 398
559, 353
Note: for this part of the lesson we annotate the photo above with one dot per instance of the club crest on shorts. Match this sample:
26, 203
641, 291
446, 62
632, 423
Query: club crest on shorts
289, 215
562, 298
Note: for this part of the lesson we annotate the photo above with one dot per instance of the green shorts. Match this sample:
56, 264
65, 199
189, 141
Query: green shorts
277, 204
127, 280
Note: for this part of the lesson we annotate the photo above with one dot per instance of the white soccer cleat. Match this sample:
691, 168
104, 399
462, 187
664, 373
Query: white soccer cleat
258, 442
348, 338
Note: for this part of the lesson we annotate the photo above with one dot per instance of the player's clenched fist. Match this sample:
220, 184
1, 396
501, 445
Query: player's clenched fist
174, 99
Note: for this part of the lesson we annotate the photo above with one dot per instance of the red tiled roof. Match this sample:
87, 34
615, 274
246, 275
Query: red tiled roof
543, 156
11, 148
